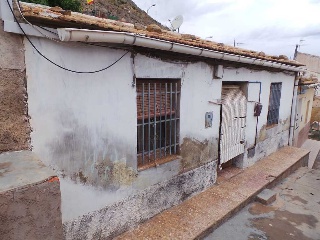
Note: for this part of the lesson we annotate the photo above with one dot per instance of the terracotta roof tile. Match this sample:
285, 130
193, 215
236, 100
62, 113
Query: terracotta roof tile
43, 15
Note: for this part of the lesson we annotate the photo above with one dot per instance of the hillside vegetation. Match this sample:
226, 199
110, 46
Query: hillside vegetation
122, 10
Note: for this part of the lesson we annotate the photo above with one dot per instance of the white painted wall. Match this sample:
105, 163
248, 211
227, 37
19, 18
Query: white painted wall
82, 120
78, 120
197, 88
266, 78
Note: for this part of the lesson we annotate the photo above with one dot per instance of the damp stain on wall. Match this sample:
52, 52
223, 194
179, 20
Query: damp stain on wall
270, 131
195, 153
87, 159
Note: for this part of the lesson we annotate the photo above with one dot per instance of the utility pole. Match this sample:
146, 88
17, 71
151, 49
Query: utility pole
295, 52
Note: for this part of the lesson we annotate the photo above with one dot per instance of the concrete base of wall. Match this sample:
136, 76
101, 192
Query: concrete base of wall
302, 136
271, 144
119, 217
30, 199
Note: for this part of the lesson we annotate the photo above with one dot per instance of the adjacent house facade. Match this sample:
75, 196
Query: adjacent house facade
135, 121
307, 109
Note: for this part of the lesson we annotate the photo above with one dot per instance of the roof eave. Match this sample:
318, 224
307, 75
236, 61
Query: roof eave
84, 35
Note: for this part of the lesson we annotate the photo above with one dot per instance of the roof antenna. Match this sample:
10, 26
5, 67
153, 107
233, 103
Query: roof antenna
298, 46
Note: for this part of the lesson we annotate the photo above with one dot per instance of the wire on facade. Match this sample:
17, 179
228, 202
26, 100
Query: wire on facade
52, 62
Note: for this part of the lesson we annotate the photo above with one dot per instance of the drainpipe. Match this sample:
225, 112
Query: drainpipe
255, 140
293, 111
84, 35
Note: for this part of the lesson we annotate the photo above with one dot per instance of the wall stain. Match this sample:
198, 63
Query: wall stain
4, 168
80, 156
262, 133
195, 153
269, 131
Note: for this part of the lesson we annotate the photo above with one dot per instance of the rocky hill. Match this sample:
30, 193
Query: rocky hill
122, 10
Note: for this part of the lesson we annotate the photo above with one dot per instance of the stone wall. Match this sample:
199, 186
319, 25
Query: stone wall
24, 213
30, 199
14, 121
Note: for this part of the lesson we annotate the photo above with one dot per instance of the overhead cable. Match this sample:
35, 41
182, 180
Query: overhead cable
52, 62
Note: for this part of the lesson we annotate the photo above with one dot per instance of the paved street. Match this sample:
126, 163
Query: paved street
294, 215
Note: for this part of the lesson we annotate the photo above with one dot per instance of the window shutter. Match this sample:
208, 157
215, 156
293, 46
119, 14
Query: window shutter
159, 100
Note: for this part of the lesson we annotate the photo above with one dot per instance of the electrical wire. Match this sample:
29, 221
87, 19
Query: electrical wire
52, 62
36, 27
54, 33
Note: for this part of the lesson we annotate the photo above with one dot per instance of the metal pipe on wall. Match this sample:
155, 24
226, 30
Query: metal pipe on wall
255, 139
293, 112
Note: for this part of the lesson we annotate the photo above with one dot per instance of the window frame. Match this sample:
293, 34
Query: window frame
274, 103
158, 120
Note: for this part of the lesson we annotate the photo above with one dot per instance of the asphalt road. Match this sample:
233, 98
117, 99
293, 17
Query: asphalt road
294, 215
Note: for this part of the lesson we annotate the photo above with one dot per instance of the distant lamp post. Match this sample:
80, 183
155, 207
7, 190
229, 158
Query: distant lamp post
150, 7
235, 44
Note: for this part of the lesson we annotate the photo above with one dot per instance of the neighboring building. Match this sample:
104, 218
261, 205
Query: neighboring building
307, 110
306, 91
154, 125
312, 63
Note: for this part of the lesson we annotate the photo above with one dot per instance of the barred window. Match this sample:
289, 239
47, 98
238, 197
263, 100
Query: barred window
158, 119
274, 103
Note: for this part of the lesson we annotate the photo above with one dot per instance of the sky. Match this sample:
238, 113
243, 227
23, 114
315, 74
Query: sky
271, 26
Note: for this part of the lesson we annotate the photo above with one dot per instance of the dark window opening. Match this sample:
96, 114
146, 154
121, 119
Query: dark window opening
158, 119
274, 103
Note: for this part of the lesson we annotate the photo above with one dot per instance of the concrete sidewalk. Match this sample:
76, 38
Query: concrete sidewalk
294, 215
314, 147
199, 215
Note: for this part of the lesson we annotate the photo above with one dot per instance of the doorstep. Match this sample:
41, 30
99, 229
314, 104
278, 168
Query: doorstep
200, 215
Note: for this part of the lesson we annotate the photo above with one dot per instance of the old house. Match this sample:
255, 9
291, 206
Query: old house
135, 120
307, 109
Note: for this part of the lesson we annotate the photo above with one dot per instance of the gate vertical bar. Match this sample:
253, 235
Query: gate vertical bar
170, 117
142, 123
175, 119
160, 142
149, 125
155, 123
165, 122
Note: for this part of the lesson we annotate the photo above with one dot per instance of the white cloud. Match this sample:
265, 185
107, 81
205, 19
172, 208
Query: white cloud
270, 25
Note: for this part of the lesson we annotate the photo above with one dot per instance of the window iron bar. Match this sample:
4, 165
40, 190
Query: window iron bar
149, 123
155, 124
165, 123
157, 103
160, 121
158, 92
147, 152
175, 120
170, 115
142, 122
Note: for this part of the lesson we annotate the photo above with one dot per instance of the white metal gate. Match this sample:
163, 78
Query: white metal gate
233, 122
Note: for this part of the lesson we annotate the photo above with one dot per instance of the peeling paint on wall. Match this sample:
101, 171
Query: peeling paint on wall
269, 131
90, 161
195, 153
115, 219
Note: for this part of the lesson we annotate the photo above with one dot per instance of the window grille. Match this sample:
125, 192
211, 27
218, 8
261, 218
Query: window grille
274, 103
158, 119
